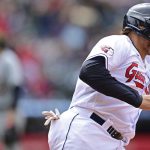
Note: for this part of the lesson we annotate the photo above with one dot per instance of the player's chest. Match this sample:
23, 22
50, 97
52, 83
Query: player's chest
135, 73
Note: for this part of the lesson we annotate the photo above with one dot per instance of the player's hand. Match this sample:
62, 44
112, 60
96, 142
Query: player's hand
50, 115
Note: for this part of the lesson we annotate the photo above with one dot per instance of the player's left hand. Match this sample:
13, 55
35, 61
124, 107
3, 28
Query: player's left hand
50, 115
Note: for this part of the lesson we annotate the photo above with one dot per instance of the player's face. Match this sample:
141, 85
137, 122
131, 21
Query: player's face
142, 44
145, 44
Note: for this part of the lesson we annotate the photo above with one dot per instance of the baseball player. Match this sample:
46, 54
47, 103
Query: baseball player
11, 79
111, 90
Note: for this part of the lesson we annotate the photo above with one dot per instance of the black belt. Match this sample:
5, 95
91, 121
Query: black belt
113, 132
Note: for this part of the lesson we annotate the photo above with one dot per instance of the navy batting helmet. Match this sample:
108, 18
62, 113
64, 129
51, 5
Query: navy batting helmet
138, 19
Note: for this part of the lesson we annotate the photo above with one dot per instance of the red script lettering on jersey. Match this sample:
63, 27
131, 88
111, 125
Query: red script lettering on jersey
136, 76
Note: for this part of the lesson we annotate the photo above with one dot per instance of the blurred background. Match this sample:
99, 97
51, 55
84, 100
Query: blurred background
52, 38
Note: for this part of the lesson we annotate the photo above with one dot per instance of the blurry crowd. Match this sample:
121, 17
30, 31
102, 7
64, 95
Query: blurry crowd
52, 38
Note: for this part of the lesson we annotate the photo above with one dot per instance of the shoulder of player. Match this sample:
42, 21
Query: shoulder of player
114, 44
117, 42
8, 52
116, 39
9, 56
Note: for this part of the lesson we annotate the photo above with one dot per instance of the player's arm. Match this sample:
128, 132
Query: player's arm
145, 103
96, 75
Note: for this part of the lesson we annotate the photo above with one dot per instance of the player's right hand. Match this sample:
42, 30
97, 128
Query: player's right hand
50, 115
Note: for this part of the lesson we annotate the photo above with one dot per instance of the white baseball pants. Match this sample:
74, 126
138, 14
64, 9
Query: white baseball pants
75, 130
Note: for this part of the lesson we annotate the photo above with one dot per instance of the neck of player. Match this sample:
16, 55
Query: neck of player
140, 43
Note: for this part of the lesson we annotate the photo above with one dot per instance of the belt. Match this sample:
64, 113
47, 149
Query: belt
111, 130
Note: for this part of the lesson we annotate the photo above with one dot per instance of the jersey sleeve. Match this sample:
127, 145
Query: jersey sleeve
94, 73
114, 51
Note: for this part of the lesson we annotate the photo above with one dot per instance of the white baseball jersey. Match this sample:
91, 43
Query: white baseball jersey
126, 65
